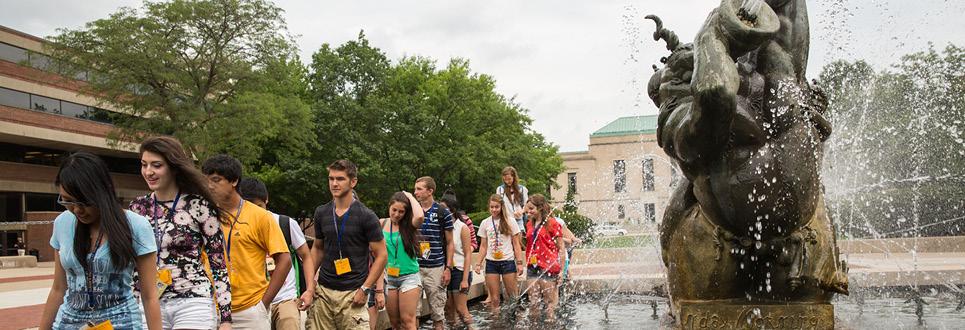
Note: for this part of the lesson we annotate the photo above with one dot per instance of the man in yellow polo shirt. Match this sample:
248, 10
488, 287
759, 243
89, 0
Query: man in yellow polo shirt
250, 233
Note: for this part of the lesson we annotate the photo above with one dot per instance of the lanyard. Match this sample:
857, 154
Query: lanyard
532, 244
158, 233
496, 231
395, 242
338, 233
232, 230
89, 271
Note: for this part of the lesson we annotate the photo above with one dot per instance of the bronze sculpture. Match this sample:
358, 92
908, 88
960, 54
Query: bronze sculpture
748, 228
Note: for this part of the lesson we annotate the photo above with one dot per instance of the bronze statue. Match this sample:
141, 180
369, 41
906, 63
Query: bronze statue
749, 225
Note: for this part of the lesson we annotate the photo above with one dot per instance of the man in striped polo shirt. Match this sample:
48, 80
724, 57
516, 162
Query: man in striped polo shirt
436, 248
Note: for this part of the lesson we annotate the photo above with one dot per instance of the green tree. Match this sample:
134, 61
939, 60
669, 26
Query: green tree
580, 225
220, 75
399, 121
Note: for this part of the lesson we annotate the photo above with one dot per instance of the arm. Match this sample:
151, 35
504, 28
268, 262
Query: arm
418, 214
214, 247
561, 248
318, 251
56, 296
466, 251
308, 270
569, 238
483, 246
450, 247
376, 268
283, 265
147, 269
518, 254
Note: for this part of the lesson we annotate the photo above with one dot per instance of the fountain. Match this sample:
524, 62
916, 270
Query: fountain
746, 238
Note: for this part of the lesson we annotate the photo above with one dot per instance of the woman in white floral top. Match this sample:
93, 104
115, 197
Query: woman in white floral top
186, 223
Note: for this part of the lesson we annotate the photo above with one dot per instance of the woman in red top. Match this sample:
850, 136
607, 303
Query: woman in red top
543, 258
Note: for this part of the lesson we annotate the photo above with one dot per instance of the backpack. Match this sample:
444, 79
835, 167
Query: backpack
283, 221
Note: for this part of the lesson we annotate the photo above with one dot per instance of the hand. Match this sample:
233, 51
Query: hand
445, 276
379, 301
520, 268
478, 268
360, 298
267, 305
464, 286
577, 241
305, 301
224, 326
518, 214
407, 194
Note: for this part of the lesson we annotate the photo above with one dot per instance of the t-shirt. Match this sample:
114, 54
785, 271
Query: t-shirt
358, 226
513, 206
437, 220
249, 238
111, 286
458, 258
289, 290
544, 246
495, 240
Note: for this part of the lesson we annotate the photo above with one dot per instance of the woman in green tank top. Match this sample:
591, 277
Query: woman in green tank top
401, 231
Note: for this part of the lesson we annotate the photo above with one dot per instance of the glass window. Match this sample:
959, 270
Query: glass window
13, 53
621, 212
571, 182
16, 99
72, 109
11, 208
40, 61
42, 202
650, 212
98, 115
45, 104
619, 175
648, 174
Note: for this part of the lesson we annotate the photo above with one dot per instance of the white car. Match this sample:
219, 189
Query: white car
610, 230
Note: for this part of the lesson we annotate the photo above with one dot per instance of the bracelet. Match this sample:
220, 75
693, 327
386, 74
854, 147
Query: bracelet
379, 291
519, 262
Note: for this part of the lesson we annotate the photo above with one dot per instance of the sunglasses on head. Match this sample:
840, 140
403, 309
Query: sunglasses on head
62, 202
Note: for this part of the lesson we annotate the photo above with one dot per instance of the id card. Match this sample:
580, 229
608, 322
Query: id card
424, 247
342, 266
532, 260
106, 325
163, 280
393, 271
498, 255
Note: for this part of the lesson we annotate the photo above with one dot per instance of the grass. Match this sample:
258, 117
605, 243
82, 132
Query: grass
620, 242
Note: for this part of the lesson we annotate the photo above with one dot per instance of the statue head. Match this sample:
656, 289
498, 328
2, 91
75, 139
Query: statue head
673, 80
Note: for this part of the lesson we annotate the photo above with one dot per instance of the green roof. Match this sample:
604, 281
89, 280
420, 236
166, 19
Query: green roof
628, 126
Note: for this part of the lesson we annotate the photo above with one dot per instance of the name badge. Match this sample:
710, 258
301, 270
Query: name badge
498, 254
106, 325
393, 271
342, 266
163, 281
424, 247
532, 260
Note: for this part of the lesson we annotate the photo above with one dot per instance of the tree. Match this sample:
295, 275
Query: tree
580, 225
399, 121
895, 165
208, 72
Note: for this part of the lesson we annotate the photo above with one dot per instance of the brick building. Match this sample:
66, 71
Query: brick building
43, 117
622, 178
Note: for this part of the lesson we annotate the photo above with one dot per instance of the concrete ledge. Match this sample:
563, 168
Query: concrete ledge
18, 262
903, 245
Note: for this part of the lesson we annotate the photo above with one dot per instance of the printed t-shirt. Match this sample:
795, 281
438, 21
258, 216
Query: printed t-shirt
358, 227
249, 239
437, 220
111, 286
544, 246
495, 241
289, 290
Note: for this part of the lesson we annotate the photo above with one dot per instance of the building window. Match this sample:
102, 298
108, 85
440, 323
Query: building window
674, 176
45, 104
13, 53
42, 203
571, 182
650, 212
619, 175
648, 174
621, 212
15, 99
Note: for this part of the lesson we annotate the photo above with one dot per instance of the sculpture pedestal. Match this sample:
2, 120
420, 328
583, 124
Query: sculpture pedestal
723, 314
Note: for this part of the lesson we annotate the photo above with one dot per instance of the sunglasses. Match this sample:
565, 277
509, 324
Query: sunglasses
62, 202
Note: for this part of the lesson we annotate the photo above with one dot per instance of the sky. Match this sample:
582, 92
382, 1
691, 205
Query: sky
575, 65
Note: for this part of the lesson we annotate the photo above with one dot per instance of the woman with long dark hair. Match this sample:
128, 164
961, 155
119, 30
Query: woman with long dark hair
545, 257
186, 223
401, 232
98, 246
515, 195
460, 268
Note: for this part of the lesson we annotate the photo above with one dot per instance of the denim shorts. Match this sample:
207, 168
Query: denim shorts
500, 267
456, 279
535, 273
404, 283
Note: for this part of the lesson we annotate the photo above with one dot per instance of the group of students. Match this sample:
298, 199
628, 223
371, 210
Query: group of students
196, 250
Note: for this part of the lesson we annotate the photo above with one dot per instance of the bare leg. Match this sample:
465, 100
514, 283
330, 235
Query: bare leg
492, 284
392, 308
462, 308
551, 295
408, 304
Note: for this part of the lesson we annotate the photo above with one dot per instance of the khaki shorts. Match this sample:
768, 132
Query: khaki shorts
284, 315
333, 310
435, 292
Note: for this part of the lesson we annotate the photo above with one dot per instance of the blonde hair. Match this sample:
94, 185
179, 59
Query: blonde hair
504, 215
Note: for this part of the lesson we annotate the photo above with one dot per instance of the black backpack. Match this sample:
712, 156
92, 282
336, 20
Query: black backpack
284, 223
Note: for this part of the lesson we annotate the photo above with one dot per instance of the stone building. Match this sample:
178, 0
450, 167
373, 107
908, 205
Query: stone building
43, 117
622, 178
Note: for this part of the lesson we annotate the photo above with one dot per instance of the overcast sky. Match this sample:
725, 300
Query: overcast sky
576, 65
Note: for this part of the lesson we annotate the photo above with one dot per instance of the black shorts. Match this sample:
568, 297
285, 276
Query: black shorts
456, 279
500, 267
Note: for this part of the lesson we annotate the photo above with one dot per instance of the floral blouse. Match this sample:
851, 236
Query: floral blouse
194, 227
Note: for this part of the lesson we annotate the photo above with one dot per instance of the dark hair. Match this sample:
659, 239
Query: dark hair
452, 203
251, 188
541, 205
345, 165
85, 177
223, 165
512, 190
409, 233
186, 176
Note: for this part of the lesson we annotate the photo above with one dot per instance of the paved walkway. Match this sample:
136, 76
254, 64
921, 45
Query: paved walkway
23, 292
